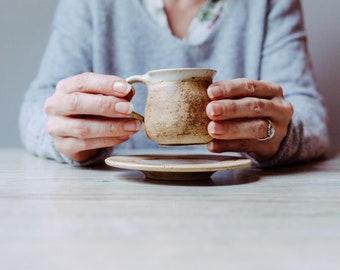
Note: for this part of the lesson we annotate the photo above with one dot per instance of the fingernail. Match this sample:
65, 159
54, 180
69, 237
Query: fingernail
212, 146
132, 125
214, 129
215, 92
124, 107
214, 109
121, 87
211, 128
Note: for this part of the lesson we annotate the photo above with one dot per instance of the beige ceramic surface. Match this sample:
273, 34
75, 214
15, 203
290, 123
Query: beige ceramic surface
178, 167
175, 106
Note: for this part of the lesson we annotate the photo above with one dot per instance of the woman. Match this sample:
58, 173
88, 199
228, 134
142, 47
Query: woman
264, 102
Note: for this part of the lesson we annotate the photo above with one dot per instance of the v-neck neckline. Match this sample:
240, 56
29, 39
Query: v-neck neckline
200, 27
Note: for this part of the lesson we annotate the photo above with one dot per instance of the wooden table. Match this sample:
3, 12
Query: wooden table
54, 216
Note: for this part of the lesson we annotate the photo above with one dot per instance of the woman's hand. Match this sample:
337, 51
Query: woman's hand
240, 110
88, 112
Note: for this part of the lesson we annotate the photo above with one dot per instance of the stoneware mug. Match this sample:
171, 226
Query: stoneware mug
175, 109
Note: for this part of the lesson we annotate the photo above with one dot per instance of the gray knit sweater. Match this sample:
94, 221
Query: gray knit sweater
258, 39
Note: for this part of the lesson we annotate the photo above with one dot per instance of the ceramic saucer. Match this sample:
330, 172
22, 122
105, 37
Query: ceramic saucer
178, 167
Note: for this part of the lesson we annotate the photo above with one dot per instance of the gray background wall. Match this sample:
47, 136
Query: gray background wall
24, 27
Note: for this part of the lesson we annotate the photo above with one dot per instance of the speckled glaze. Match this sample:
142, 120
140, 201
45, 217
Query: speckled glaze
175, 107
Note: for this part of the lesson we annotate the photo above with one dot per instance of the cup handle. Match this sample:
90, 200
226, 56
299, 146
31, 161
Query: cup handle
137, 116
135, 79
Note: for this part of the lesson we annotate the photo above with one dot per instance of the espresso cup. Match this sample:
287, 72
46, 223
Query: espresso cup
175, 109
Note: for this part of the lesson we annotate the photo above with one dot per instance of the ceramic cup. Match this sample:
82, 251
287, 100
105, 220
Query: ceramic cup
175, 109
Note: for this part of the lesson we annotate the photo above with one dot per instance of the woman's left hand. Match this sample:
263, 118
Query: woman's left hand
239, 113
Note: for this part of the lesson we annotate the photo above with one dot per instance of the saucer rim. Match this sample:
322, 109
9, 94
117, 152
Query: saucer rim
218, 163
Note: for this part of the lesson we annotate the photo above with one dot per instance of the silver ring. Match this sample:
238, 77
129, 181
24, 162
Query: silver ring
270, 132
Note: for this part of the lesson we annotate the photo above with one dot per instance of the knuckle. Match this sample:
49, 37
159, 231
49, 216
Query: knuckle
81, 81
106, 105
257, 106
63, 145
250, 86
70, 146
112, 129
286, 107
232, 107
82, 129
51, 128
289, 108
74, 145
103, 104
48, 106
108, 141
73, 102
61, 85
278, 89
82, 145
225, 86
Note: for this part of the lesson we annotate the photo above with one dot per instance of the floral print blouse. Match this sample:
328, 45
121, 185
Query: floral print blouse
199, 28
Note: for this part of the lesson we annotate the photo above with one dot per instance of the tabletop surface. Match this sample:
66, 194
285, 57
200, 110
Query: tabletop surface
55, 216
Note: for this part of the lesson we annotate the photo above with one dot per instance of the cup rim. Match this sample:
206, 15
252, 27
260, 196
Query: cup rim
174, 74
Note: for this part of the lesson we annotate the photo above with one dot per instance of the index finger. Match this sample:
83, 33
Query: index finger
239, 88
95, 84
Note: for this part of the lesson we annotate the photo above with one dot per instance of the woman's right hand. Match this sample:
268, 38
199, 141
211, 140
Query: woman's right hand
88, 112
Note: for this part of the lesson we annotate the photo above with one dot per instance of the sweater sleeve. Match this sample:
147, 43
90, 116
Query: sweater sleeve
286, 61
68, 53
